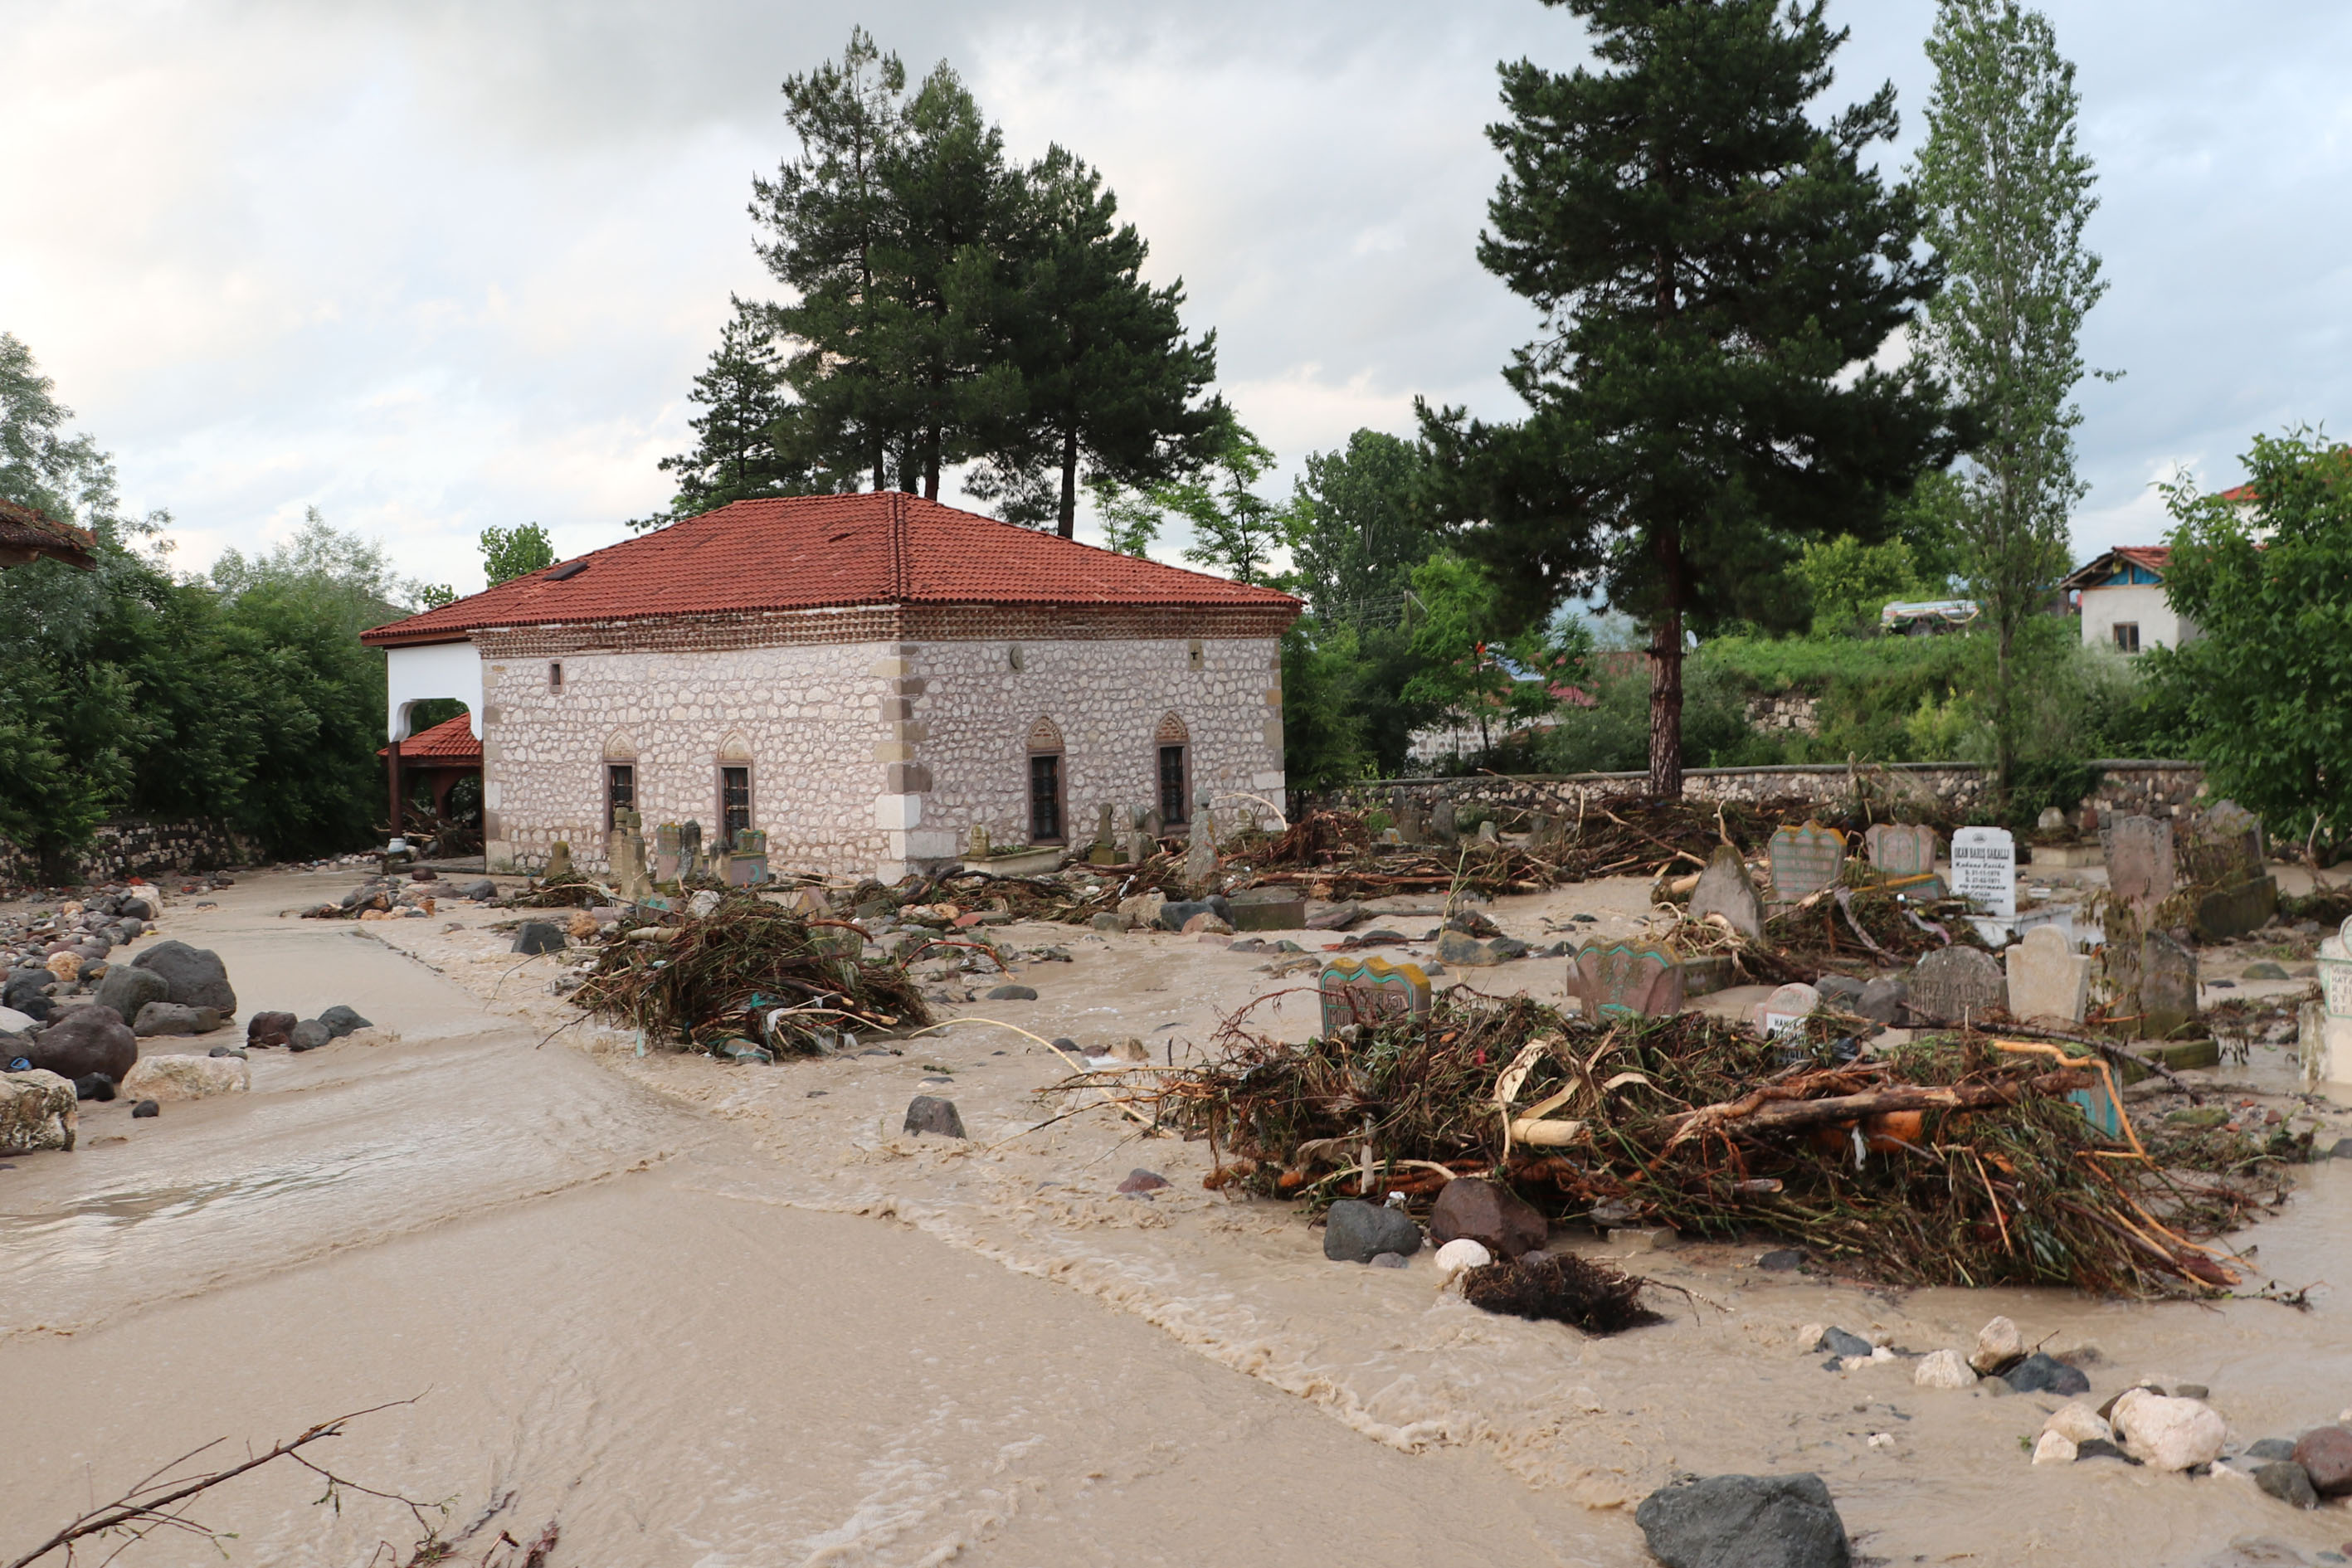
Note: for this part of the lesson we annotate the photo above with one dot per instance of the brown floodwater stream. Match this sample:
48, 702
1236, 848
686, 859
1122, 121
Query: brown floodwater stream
717, 1315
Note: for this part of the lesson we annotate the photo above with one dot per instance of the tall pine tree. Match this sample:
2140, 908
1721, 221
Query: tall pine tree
1109, 378
2007, 193
747, 437
1717, 272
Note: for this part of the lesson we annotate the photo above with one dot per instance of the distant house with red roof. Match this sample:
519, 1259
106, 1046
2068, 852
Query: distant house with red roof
2121, 598
863, 678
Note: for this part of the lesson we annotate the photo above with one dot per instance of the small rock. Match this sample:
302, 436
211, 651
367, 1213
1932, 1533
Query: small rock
161, 1078
309, 1036
1011, 993
1782, 1261
1392, 1260
2101, 1448
95, 1086
1999, 1347
2325, 1455
1745, 1522
2263, 970
928, 1113
1838, 1343
2168, 1434
1460, 1257
1337, 917
2271, 1448
2184, 1390
2078, 1421
1206, 923
341, 1020
1944, 1369
146, 1107
2054, 1448
2287, 1481
1506, 1224
2038, 1374
174, 1018
264, 1029
1882, 1001
38, 1111
236, 1051
538, 936
1357, 1232
1142, 1181
1108, 921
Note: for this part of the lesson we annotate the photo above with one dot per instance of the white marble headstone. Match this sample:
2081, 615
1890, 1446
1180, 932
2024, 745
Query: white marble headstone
1984, 867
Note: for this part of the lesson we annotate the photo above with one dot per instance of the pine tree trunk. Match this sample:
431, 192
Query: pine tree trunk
931, 463
1666, 672
1069, 515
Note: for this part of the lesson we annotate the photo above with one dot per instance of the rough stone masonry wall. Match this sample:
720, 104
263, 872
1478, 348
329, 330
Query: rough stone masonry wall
136, 848
806, 715
1954, 790
973, 713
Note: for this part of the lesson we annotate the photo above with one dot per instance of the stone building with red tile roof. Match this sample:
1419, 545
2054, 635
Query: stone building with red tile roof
2119, 596
863, 678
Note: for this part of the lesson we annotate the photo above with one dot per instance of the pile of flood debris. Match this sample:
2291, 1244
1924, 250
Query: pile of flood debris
1954, 1159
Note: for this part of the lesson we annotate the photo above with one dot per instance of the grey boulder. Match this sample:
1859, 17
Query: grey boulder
1745, 1522
195, 974
172, 1018
1882, 1001
309, 1036
84, 1040
341, 1020
538, 936
1357, 1232
128, 989
1497, 1219
930, 1113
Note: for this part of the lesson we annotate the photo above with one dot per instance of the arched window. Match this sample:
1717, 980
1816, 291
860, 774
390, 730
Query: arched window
734, 788
1046, 783
1173, 763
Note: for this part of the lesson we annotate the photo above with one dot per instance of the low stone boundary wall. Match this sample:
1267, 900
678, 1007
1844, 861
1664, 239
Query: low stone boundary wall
1958, 791
134, 848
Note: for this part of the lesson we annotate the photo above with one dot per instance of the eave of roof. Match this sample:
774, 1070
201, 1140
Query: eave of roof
28, 534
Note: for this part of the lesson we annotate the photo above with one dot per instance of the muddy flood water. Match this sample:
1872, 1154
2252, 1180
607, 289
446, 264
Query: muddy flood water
716, 1315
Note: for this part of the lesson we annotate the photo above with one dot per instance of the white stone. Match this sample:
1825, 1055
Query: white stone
1785, 1009
897, 812
1460, 1256
2047, 979
168, 1077
2078, 1423
2168, 1434
1943, 1369
1997, 1344
37, 1111
1984, 867
2054, 1448
12, 1022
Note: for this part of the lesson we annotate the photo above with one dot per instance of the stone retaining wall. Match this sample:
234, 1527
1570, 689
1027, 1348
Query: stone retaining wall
1957, 791
133, 847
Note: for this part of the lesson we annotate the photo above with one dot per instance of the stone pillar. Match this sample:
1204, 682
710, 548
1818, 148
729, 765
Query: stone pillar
911, 843
391, 768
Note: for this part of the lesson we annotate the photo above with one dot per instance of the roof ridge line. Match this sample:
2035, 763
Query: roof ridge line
899, 582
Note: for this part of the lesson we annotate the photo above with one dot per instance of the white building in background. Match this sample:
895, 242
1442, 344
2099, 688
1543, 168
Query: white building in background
2120, 596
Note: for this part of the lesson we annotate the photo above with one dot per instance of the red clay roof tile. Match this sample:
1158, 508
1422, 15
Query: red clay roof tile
806, 553
450, 743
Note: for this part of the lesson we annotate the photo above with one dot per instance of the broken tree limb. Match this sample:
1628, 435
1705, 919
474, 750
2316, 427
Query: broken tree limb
1767, 1114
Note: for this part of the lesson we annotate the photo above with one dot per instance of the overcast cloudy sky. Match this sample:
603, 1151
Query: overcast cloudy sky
434, 266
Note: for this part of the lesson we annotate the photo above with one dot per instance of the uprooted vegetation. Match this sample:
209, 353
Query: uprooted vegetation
1947, 1162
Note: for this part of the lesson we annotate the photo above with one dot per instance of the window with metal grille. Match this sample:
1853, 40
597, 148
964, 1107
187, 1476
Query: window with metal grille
1044, 797
619, 790
734, 803
2127, 636
1171, 785
555, 678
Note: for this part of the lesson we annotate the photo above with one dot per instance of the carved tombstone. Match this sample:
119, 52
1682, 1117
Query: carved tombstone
690, 850
747, 866
1901, 850
1105, 846
1785, 1009
1984, 869
665, 861
1956, 985
1201, 848
2139, 861
558, 862
2047, 978
1370, 991
1615, 978
1724, 889
1138, 838
1804, 860
976, 845
630, 880
1407, 812
1441, 823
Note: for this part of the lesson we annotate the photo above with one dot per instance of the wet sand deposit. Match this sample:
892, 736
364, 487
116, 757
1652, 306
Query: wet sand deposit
719, 1315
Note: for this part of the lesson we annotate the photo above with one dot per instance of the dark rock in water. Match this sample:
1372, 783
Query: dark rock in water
1882, 1001
2184, 1390
146, 1107
195, 974
1455, 947
2271, 1448
1745, 1522
24, 986
2038, 1374
1357, 1232
309, 1036
2289, 1482
1011, 993
1338, 917
928, 1113
1843, 990
1782, 1261
85, 1040
1392, 1260
2325, 1455
341, 1020
174, 1018
2100, 1449
483, 890
1470, 923
270, 1029
538, 936
128, 988
1142, 1181
1837, 1342
94, 1086
1173, 915
1504, 1223
236, 1051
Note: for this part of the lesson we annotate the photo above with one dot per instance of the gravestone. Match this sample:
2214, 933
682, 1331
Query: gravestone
1984, 869
2047, 978
2168, 987
2051, 820
1785, 1009
630, 882
690, 850
976, 844
1201, 849
1901, 849
2139, 860
1625, 977
1441, 823
2335, 972
665, 863
1105, 851
747, 866
558, 862
1803, 860
2222, 857
1486, 834
1370, 991
1407, 813
1139, 839
1724, 889
1155, 825
1956, 983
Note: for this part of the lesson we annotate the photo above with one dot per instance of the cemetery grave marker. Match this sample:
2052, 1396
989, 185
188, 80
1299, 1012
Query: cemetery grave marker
1803, 860
1984, 869
1370, 991
1625, 976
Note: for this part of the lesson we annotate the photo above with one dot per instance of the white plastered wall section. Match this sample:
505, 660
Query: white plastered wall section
1108, 698
434, 671
809, 717
2141, 604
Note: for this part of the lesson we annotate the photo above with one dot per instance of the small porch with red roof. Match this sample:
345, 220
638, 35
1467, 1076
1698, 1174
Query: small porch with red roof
439, 760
